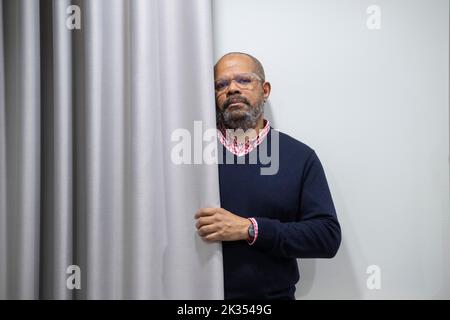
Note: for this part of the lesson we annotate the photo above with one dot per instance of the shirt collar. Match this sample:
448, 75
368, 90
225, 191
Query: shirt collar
242, 148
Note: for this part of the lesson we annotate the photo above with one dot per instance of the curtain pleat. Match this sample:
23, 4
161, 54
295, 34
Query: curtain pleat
3, 205
22, 143
57, 151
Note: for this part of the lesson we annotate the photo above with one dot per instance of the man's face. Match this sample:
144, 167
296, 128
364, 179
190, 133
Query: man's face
240, 104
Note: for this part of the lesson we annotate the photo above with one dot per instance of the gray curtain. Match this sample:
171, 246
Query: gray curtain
86, 176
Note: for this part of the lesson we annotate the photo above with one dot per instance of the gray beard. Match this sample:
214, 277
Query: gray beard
246, 120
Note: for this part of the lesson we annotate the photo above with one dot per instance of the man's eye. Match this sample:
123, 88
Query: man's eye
222, 84
243, 80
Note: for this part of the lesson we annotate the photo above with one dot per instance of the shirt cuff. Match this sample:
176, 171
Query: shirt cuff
255, 228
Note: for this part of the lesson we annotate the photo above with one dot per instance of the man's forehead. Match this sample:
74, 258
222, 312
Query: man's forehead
235, 62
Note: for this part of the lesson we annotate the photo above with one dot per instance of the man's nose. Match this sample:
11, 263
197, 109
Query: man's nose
233, 88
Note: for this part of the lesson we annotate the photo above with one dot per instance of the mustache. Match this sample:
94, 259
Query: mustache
234, 99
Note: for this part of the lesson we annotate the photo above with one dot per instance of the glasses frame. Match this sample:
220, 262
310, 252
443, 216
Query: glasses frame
253, 75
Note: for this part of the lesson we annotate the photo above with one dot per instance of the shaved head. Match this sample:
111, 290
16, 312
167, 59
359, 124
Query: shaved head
240, 105
258, 68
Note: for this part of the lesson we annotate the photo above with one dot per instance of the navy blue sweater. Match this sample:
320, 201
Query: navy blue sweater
295, 215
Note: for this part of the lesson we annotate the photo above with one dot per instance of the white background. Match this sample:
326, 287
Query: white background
374, 104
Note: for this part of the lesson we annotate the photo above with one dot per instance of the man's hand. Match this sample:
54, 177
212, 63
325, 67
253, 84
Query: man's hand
217, 224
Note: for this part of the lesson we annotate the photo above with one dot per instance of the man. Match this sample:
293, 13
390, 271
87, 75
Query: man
266, 221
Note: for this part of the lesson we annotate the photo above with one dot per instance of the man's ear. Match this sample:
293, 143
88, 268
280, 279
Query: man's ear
266, 88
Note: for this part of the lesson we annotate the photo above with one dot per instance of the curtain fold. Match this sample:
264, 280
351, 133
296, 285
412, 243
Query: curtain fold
56, 149
22, 147
87, 179
3, 234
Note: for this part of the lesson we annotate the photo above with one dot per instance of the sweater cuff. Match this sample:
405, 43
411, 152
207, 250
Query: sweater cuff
267, 233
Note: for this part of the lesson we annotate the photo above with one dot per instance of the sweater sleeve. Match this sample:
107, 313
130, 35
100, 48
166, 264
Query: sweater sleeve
316, 233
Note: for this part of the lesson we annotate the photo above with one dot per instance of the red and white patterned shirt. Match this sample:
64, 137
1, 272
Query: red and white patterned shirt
242, 148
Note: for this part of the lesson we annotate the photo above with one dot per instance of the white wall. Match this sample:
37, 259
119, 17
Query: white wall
374, 104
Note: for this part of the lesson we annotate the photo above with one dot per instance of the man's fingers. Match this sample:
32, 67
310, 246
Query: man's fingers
206, 230
207, 224
203, 221
204, 212
212, 237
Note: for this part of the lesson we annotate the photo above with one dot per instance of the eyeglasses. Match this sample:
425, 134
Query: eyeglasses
243, 80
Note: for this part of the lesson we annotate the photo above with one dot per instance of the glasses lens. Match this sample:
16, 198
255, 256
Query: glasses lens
244, 79
221, 84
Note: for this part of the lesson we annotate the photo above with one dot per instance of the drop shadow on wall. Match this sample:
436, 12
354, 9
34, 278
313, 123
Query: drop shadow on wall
269, 115
340, 283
